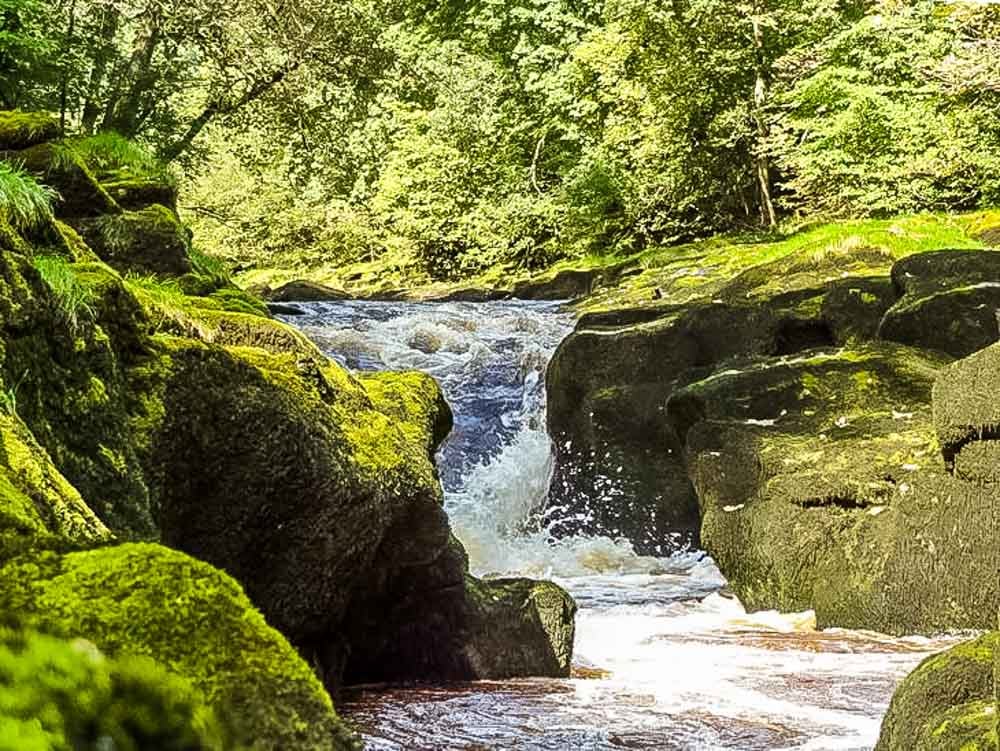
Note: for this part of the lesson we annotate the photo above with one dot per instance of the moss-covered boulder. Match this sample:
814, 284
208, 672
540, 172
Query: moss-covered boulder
134, 192
949, 702
148, 601
822, 486
58, 694
303, 290
59, 166
148, 241
949, 301
21, 130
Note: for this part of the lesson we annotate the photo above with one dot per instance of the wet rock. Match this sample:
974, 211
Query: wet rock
950, 301
424, 341
303, 290
948, 702
821, 486
570, 284
463, 628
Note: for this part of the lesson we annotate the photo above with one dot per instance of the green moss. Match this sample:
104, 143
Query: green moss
24, 204
149, 601
58, 695
947, 702
19, 130
80, 195
148, 241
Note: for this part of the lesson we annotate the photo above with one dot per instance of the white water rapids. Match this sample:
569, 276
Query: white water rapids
665, 658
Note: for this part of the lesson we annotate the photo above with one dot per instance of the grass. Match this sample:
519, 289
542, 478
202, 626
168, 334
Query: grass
8, 396
109, 152
210, 266
24, 203
72, 297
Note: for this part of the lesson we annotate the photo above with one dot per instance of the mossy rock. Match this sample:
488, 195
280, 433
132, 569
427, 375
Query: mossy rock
967, 401
21, 130
331, 473
148, 601
148, 241
437, 621
947, 703
37, 504
938, 271
134, 192
60, 695
58, 166
822, 486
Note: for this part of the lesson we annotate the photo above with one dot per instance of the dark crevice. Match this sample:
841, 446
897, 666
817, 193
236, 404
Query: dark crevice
847, 503
974, 435
796, 336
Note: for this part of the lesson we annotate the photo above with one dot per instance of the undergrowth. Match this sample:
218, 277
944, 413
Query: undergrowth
24, 203
72, 297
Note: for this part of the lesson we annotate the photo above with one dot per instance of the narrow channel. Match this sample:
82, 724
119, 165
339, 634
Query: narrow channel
665, 657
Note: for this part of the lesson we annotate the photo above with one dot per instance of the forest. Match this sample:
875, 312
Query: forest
457, 135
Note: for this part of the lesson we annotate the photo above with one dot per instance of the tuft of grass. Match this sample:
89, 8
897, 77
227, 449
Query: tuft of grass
109, 152
8, 396
24, 203
74, 299
210, 266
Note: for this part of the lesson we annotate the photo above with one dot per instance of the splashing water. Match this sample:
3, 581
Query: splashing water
665, 659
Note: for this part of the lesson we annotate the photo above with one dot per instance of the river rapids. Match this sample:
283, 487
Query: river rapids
665, 657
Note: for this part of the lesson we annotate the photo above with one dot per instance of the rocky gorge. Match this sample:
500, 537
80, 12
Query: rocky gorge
187, 481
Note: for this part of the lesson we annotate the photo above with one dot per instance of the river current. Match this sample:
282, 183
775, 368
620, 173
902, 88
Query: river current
665, 657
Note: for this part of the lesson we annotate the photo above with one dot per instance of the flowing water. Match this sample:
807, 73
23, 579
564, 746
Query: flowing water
665, 657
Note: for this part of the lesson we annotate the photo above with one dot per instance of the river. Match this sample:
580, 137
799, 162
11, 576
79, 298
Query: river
665, 657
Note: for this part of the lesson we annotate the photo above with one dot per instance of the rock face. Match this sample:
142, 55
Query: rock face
780, 421
948, 702
169, 408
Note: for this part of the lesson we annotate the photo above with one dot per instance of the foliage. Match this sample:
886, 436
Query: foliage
24, 204
58, 695
110, 153
26, 50
73, 299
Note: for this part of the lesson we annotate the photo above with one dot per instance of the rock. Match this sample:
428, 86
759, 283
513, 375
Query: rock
966, 407
66, 694
146, 600
950, 301
569, 284
136, 192
58, 166
462, 628
854, 308
303, 290
21, 130
149, 241
821, 486
948, 702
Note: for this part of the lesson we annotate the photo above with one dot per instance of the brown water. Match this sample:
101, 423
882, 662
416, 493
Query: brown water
664, 658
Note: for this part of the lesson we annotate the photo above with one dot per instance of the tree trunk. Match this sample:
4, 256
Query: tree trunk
64, 84
125, 116
768, 214
102, 56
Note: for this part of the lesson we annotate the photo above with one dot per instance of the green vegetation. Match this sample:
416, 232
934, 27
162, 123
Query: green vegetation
60, 695
24, 204
73, 299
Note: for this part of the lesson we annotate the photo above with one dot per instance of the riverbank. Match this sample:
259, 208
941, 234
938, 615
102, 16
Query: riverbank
669, 274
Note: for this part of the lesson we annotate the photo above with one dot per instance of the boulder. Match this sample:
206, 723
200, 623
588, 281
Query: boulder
134, 192
822, 486
145, 600
56, 693
948, 702
438, 622
950, 301
966, 403
303, 290
60, 167
148, 241
21, 130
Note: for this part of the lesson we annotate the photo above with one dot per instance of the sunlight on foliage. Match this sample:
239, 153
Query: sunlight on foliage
24, 203
73, 299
